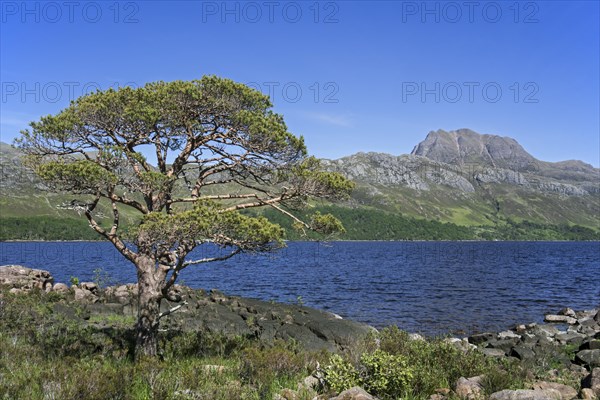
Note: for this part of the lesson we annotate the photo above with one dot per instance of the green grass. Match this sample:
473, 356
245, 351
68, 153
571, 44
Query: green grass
121, 321
47, 356
465, 217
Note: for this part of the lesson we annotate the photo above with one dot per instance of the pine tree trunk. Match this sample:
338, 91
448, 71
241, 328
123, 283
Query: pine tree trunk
149, 299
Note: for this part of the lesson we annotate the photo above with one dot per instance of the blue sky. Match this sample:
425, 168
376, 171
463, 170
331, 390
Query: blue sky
348, 75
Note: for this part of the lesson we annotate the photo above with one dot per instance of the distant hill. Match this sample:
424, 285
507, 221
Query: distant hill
454, 185
472, 179
28, 211
466, 147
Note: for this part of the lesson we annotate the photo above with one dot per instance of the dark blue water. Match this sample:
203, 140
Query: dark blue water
428, 287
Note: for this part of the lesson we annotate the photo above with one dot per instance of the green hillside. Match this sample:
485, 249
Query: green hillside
439, 192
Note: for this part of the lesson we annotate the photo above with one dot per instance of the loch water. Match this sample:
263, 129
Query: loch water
427, 287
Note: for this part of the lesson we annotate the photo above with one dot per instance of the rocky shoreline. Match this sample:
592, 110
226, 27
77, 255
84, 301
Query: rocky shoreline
569, 339
201, 311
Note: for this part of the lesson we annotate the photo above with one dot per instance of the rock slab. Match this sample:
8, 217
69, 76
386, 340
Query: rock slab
469, 388
592, 382
355, 393
522, 394
25, 279
590, 358
566, 392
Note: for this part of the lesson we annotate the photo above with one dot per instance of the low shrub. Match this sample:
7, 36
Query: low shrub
202, 344
380, 373
392, 365
281, 361
384, 374
340, 374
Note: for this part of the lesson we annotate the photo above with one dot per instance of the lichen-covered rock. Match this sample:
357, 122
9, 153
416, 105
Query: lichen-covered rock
469, 388
25, 279
591, 358
565, 319
60, 288
569, 312
592, 382
590, 344
493, 352
84, 295
123, 294
523, 394
566, 392
461, 344
508, 335
89, 286
588, 394
522, 352
309, 384
575, 338
480, 338
287, 394
355, 393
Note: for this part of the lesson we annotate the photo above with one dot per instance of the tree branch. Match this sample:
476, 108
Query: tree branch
289, 214
258, 203
172, 310
161, 156
115, 227
182, 158
211, 259
214, 197
113, 238
128, 202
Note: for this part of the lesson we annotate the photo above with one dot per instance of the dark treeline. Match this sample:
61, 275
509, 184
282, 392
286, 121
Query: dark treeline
360, 224
370, 224
46, 228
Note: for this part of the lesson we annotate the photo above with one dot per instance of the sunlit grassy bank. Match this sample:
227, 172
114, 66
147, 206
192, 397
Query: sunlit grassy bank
48, 355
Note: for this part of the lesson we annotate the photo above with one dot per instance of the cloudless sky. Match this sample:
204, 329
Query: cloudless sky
348, 75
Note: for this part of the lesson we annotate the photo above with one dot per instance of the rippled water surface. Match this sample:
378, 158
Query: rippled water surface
428, 287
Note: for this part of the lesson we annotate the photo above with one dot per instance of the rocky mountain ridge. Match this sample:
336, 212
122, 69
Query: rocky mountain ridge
463, 159
466, 177
452, 176
466, 147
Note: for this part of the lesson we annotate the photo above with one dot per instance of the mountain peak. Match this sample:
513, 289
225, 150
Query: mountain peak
465, 146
